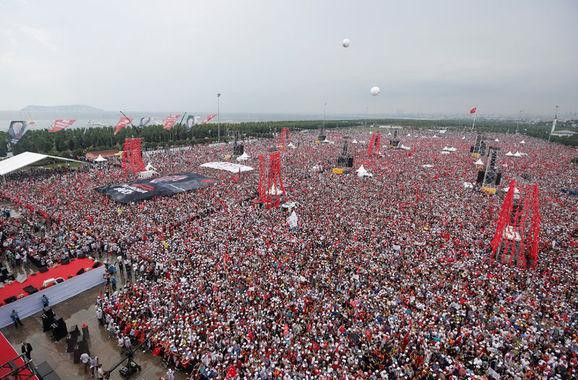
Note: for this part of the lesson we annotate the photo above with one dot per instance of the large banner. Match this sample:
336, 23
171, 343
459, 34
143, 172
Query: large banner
152, 187
17, 130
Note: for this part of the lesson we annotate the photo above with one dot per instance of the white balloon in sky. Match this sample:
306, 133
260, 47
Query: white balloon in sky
375, 91
345, 43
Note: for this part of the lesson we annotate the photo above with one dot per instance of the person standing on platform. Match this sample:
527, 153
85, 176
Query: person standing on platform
45, 301
16, 319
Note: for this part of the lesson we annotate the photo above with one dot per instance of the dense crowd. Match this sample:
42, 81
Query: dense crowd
385, 277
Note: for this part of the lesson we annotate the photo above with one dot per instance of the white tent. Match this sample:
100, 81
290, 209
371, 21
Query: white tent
317, 168
445, 152
496, 140
449, 149
290, 145
274, 190
404, 147
362, 172
227, 166
243, 157
517, 154
25, 159
354, 141
291, 204
146, 174
522, 142
100, 159
479, 162
509, 154
326, 141
468, 185
427, 166
463, 137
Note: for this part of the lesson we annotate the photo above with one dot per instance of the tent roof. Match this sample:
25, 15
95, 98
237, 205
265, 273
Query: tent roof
24, 159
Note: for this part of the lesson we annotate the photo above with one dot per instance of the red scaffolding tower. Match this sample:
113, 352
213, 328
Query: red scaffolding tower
132, 155
374, 144
283, 138
516, 240
270, 193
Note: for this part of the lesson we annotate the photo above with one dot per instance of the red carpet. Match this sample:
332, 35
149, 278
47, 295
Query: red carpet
7, 353
37, 279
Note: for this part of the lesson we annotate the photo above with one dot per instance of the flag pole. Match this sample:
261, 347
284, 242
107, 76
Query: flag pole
474, 122
553, 123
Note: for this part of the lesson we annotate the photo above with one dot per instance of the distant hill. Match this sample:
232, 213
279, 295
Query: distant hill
69, 108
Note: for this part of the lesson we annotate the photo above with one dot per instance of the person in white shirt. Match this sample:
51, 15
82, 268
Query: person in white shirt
85, 360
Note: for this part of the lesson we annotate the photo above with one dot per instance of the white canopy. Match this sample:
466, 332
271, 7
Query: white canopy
479, 162
468, 185
362, 172
496, 140
291, 204
100, 158
404, 147
445, 152
517, 154
228, 166
243, 157
449, 149
24, 159
354, 141
146, 174
427, 166
274, 190
522, 142
509, 154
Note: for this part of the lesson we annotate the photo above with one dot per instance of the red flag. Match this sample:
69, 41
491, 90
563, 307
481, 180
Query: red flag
60, 124
209, 118
473, 109
122, 123
170, 122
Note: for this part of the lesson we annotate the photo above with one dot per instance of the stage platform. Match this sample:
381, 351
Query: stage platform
10, 359
73, 284
36, 280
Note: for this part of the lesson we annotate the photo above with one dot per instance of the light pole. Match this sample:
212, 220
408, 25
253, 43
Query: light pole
324, 113
554, 123
218, 117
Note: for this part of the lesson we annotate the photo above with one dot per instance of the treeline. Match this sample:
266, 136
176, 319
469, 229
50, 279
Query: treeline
76, 142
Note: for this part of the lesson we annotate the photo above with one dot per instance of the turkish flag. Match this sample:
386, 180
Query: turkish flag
122, 123
473, 109
60, 124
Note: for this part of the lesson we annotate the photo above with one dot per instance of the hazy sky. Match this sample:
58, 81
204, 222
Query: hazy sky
273, 56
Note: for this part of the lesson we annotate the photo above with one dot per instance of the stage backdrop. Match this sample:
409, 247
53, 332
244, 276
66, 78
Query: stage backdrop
56, 293
152, 187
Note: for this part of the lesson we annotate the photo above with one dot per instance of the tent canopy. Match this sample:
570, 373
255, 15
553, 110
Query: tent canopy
228, 166
25, 159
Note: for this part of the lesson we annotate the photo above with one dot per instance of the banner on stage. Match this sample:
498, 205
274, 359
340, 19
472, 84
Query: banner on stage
152, 187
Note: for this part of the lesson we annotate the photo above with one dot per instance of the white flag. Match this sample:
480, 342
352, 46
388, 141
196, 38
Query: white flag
292, 220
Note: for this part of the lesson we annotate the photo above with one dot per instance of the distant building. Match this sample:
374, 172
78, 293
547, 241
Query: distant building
563, 133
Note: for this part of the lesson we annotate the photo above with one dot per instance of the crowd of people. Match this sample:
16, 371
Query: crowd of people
385, 277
